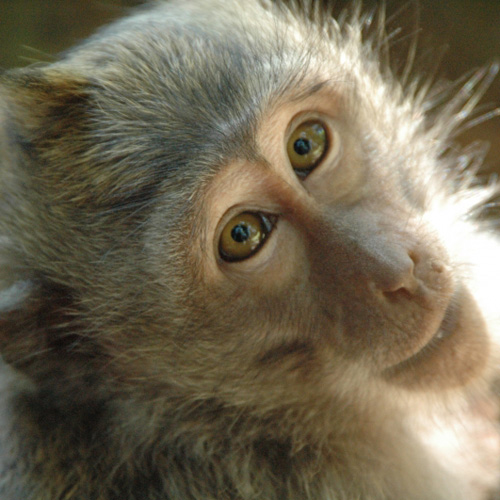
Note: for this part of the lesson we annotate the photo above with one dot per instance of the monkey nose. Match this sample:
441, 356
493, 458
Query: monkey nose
419, 274
395, 275
395, 263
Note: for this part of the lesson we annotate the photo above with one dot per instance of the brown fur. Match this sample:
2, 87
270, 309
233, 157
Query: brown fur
140, 366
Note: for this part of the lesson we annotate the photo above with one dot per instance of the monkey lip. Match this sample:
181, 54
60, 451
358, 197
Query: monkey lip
450, 320
446, 328
457, 351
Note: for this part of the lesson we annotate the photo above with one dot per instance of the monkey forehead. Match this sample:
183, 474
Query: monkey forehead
199, 74
192, 82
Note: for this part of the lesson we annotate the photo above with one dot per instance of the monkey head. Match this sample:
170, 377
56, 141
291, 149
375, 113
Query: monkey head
218, 218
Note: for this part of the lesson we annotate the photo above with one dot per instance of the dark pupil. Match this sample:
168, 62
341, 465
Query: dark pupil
240, 233
302, 146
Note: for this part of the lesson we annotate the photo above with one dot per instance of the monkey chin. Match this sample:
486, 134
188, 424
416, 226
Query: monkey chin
455, 355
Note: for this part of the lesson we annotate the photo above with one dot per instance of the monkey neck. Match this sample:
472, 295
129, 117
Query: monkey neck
101, 445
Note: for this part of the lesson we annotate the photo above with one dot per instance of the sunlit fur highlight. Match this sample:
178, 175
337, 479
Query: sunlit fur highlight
118, 268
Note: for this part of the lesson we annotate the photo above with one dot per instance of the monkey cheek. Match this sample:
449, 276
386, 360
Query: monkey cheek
455, 356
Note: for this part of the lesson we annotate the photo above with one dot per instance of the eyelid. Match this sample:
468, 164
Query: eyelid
333, 140
307, 146
268, 223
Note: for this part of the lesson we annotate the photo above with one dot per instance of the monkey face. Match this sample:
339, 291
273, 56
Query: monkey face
311, 248
271, 227
237, 262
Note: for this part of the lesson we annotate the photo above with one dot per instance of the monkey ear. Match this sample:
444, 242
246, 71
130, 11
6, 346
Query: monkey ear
20, 307
38, 335
39, 109
44, 106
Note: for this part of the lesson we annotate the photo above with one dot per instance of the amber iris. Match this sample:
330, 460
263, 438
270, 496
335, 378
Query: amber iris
307, 146
243, 236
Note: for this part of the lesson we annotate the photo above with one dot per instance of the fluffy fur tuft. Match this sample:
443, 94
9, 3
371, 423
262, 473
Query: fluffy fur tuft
128, 373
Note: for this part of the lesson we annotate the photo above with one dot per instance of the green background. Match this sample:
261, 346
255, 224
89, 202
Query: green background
34, 30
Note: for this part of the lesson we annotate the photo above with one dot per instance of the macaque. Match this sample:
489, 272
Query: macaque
243, 259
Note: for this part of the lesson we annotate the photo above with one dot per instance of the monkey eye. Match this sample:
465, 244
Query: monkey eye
243, 236
307, 146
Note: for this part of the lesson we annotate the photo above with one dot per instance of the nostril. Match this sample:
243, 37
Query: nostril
396, 267
414, 275
415, 257
434, 265
438, 266
399, 294
398, 276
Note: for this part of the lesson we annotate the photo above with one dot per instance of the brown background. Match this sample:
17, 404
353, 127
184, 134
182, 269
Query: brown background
34, 30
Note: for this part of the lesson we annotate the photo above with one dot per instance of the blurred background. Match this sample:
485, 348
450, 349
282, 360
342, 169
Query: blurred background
36, 30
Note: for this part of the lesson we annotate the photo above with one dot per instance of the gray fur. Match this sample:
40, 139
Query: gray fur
121, 379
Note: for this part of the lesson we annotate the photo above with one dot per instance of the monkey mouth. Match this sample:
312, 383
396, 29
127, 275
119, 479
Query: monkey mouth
450, 320
457, 351
447, 327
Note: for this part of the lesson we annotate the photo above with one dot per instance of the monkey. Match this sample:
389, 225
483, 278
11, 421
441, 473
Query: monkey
243, 258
